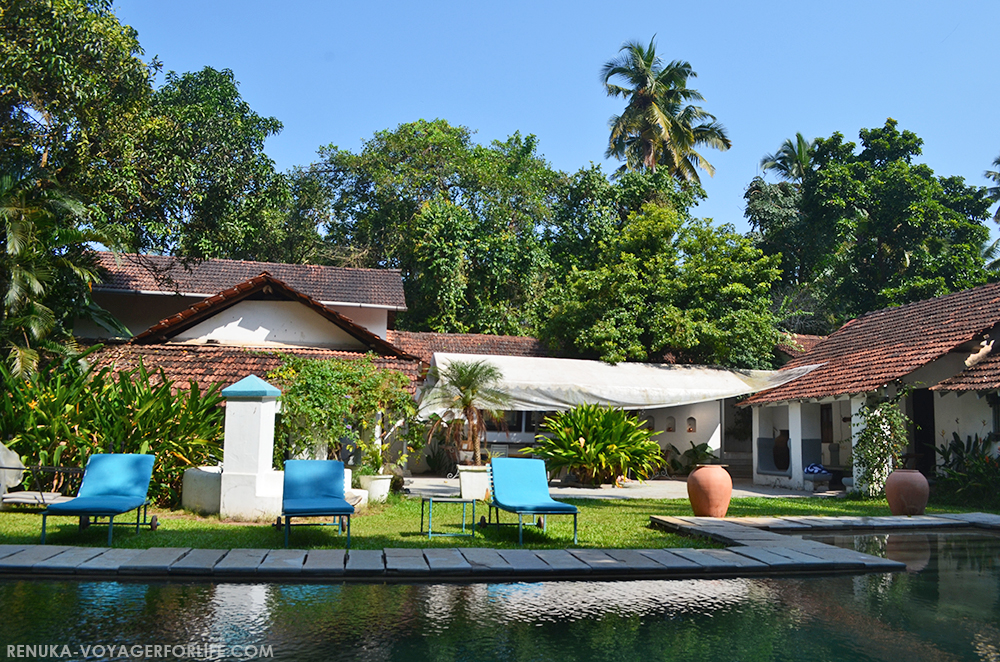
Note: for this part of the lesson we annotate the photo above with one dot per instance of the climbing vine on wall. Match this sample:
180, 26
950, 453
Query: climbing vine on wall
880, 444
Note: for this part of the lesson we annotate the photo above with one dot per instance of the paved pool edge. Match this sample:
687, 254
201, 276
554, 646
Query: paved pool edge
755, 548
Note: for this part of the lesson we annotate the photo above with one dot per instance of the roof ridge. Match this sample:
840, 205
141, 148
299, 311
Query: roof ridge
177, 258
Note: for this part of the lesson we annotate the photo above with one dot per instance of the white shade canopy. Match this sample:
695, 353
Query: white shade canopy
550, 384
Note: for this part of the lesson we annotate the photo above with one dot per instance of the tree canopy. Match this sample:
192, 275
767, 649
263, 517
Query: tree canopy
870, 229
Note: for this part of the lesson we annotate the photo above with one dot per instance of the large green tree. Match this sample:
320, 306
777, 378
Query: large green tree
667, 283
459, 219
659, 126
870, 228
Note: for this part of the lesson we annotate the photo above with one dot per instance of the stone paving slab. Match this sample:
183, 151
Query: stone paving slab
403, 551
447, 561
282, 562
406, 564
197, 562
635, 561
599, 560
718, 559
668, 559
107, 563
240, 562
982, 520
8, 550
153, 561
486, 560
365, 562
524, 561
23, 560
561, 561
778, 558
69, 560
325, 562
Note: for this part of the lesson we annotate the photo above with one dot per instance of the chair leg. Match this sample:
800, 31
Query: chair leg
111, 528
348, 532
43, 528
574, 528
138, 514
520, 528
287, 525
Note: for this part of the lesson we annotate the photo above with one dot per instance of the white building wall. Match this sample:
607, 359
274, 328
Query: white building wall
708, 426
375, 320
967, 415
264, 323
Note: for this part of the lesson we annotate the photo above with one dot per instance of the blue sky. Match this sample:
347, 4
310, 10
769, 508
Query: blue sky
336, 72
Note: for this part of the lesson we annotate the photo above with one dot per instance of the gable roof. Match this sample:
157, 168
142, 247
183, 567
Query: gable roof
880, 347
424, 344
267, 284
214, 364
163, 274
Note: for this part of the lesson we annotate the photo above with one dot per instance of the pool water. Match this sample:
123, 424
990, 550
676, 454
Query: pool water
947, 607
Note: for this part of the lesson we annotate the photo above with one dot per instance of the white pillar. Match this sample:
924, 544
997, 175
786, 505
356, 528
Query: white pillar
795, 444
251, 488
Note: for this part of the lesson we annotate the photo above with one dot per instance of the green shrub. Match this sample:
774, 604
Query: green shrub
66, 412
598, 444
333, 402
969, 473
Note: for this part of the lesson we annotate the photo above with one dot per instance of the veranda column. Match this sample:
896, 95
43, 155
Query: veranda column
795, 444
251, 488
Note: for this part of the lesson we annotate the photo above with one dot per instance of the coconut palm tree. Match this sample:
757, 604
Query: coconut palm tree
39, 240
659, 127
993, 193
470, 389
792, 160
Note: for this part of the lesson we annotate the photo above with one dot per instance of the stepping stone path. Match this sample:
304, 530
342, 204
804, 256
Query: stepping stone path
756, 547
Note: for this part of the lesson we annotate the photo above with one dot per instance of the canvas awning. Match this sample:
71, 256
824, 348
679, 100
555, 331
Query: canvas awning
550, 384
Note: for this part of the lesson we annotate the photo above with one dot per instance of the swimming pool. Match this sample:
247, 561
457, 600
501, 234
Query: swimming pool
948, 609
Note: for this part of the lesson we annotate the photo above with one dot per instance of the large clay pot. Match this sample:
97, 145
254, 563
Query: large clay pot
906, 491
710, 487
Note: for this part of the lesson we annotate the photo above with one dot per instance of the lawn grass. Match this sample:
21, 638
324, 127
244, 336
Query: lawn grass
604, 523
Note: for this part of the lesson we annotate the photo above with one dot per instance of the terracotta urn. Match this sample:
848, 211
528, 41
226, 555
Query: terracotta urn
907, 490
710, 487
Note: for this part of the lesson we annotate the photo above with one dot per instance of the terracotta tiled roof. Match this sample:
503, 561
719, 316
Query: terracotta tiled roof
799, 344
209, 364
171, 326
424, 345
161, 273
883, 346
983, 376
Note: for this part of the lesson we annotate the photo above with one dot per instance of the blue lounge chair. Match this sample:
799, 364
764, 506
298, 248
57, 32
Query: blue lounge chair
113, 484
315, 488
521, 486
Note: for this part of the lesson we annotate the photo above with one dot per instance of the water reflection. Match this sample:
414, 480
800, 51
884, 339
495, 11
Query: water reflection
947, 607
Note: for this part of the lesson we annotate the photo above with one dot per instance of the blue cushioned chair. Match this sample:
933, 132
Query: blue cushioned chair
112, 484
521, 486
315, 488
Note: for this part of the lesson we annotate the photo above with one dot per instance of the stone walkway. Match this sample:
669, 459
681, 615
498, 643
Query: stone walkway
651, 489
755, 548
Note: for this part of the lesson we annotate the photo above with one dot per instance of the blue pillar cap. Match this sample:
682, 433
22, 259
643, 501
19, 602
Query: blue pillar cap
250, 386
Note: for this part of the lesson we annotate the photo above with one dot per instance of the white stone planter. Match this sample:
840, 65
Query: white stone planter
474, 481
377, 486
201, 490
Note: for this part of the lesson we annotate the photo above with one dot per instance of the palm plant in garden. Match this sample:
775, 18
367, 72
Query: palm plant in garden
598, 444
792, 160
659, 127
44, 273
470, 389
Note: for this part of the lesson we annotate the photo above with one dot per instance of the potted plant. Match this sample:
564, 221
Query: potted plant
877, 459
469, 392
